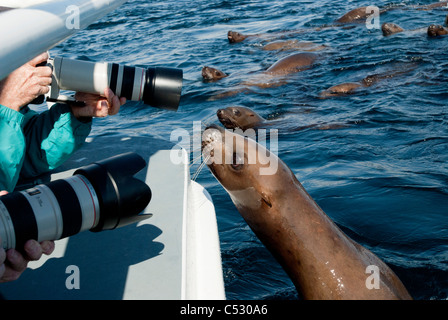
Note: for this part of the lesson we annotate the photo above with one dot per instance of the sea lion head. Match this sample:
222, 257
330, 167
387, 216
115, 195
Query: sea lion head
390, 28
212, 74
238, 117
235, 37
436, 30
255, 178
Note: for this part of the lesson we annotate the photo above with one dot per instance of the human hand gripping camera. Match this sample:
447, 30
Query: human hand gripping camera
93, 83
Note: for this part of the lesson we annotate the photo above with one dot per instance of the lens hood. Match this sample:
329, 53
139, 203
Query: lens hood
163, 88
121, 196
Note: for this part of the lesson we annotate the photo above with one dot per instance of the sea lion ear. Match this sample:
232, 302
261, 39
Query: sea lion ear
266, 199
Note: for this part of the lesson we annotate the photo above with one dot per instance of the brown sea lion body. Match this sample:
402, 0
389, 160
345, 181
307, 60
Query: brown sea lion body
272, 77
351, 87
212, 74
287, 65
240, 117
432, 30
293, 45
431, 6
291, 64
355, 15
389, 28
436, 30
322, 262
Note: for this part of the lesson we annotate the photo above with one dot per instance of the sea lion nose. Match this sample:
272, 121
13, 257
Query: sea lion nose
220, 112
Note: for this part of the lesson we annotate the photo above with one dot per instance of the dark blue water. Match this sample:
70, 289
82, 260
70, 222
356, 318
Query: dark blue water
382, 176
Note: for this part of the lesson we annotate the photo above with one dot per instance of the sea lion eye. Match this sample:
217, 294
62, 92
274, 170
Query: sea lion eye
236, 112
237, 162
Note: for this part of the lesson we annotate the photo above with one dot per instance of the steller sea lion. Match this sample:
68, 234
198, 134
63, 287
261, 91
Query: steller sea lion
432, 31
291, 64
269, 78
239, 117
351, 87
357, 15
389, 28
287, 65
212, 74
292, 45
436, 30
432, 5
321, 260
236, 37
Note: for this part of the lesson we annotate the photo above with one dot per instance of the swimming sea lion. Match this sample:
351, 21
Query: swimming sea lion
292, 45
270, 77
355, 15
389, 28
432, 31
436, 30
322, 262
212, 74
291, 64
235, 37
351, 87
240, 117
341, 89
432, 5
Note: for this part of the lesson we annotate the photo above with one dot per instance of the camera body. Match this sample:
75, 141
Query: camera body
158, 87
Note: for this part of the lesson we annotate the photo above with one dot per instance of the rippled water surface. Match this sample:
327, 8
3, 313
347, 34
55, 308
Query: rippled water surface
381, 174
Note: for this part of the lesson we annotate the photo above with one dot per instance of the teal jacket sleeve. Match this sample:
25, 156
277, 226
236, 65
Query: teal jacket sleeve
51, 138
12, 147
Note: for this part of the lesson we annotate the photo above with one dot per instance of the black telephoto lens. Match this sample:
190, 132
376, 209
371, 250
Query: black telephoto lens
163, 87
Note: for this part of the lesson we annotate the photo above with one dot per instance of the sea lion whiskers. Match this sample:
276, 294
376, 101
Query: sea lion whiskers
201, 166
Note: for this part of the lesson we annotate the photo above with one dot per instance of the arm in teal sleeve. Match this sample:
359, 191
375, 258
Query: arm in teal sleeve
12, 147
51, 138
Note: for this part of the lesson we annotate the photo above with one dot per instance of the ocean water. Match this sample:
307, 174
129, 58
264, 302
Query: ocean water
381, 175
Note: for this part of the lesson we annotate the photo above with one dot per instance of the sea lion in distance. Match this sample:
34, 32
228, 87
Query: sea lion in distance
290, 64
212, 74
322, 262
357, 15
432, 31
351, 87
389, 28
272, 77
240, 117
436, 30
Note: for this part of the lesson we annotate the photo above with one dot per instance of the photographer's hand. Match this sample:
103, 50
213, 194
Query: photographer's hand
96, 105
26, 83
13, 263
